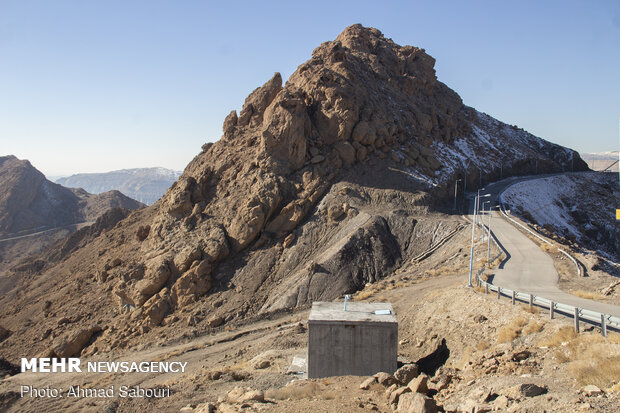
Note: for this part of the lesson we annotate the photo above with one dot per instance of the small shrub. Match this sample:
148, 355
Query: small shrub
588, 295
507, 334
591, 358
511, 331
563, 335
548, 248
365, 293
560, 356
533, 327
599, 369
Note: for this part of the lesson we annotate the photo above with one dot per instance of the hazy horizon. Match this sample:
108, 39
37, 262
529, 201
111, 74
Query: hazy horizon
93, 87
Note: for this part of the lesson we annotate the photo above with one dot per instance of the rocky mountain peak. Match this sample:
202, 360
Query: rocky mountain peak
360, 89
316, 188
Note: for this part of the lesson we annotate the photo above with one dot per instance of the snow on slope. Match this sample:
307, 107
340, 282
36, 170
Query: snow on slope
578, 206
541, 199
490, 146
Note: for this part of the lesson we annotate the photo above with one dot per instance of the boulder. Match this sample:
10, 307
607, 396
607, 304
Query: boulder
419, 384
74, 342
186, 257
252, 214
389, 390
155, 276
346, 152
531, 389
335, 212
368, 382
190, 286
288, 218
361, 154
265, 359
416, 403
406, 373
591, 390
244, 395
520, 356
395, 395
385, 379
215, 244
179, 197
155, 310
215, 321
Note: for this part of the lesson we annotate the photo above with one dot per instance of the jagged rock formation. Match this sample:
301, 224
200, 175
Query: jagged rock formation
145, 185
316, 188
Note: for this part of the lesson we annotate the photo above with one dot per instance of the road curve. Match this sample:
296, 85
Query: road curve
529, 269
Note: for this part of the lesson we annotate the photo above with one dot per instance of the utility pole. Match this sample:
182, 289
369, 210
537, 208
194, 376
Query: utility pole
489, 234
465, 181
473, 231
482, 218
455, 192
471, 252
477, 206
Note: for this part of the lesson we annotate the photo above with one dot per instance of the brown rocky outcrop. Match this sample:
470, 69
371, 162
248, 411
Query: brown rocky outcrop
72, 344
317, 188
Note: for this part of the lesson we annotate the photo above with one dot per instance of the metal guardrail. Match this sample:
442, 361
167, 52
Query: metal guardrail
604, 320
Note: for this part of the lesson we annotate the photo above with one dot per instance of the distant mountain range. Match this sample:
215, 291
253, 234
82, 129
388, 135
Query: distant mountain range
29, 202
146, 185
601, 160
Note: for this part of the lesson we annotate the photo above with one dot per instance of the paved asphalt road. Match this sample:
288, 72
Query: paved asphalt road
529, 269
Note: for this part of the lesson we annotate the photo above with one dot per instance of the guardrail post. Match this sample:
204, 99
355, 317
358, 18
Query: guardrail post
513, 297
531, 300
486, 288
603, 325
551, 309
499, 292
576, 320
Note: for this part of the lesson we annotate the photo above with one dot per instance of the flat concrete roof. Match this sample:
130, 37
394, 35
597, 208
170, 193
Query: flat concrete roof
357, 312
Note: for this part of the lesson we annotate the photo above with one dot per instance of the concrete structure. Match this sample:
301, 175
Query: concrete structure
357, 341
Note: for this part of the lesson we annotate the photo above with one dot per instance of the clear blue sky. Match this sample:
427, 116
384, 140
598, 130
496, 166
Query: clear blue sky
92, 86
